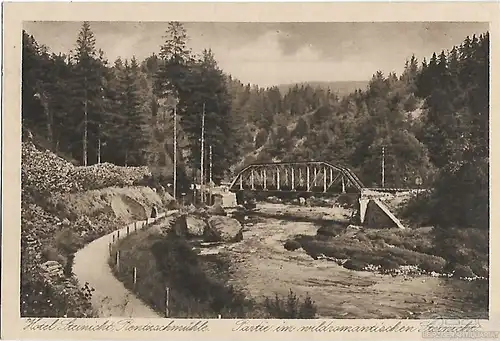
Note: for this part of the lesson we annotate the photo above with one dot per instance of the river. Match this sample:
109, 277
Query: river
261, 267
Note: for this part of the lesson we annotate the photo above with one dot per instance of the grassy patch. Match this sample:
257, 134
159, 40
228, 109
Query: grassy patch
388, 249
420, 240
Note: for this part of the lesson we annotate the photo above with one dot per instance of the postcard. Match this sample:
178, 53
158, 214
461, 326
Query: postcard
249, 170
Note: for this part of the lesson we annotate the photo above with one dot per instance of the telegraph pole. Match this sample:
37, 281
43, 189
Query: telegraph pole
175, 151
211, 164
202, 171
85, 125
383, 166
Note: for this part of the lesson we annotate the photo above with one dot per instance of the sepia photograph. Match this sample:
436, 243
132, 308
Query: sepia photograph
255, 170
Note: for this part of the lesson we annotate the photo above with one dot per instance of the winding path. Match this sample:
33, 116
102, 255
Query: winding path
110, 298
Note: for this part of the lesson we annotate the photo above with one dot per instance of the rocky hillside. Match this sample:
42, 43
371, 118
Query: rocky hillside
64, 207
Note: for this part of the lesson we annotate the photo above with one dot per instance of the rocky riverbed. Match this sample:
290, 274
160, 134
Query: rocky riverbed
261, 266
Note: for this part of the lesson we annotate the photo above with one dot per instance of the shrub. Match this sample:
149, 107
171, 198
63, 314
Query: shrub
261, 138
50, 253
480, 268
462, 195
417, 208
433, 264
331, 230
68, 241
300, 128
355, 264
462, 271
292, 245
291, 307
388, 264
462, 245
362, 238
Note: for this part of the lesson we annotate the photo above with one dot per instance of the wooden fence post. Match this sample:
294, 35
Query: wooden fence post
118, 260
113, 238
118, 235
128, 230
110, 248
135, 226
167, 302
135, 277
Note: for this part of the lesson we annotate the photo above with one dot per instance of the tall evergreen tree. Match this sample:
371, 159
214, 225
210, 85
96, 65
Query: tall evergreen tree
88, 90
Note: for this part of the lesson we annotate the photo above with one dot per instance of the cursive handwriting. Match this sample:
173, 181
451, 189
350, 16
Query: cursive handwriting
124, 325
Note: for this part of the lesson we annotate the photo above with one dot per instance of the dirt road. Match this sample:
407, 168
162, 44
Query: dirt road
262, 267
110, 298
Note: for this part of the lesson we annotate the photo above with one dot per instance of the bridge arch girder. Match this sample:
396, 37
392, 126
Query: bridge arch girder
307, 176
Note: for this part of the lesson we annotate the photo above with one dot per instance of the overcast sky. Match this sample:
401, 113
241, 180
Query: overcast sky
275, 53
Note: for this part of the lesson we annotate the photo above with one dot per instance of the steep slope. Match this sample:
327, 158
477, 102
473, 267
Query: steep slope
64, 207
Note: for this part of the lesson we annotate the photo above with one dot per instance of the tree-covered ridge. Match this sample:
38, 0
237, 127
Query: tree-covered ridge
422, 118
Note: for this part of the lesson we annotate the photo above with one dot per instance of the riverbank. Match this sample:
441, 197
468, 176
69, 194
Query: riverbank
162, 264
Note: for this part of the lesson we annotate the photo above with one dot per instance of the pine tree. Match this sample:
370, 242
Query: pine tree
205, 89
175, 56
136, 113
88, 90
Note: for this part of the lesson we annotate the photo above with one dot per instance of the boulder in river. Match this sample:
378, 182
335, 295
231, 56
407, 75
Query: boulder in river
216, 209
195, 226
222, 228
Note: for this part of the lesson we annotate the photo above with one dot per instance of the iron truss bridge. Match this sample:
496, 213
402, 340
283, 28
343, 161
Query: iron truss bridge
305, 177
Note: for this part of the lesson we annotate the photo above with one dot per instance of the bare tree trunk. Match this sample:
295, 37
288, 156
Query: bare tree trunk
202, 170
85, 127
175, 152
99, 145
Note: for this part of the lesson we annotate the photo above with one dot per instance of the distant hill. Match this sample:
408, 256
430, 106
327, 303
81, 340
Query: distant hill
342, 88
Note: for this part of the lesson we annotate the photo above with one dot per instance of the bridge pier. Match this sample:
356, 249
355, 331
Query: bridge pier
373, 213
363, 204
